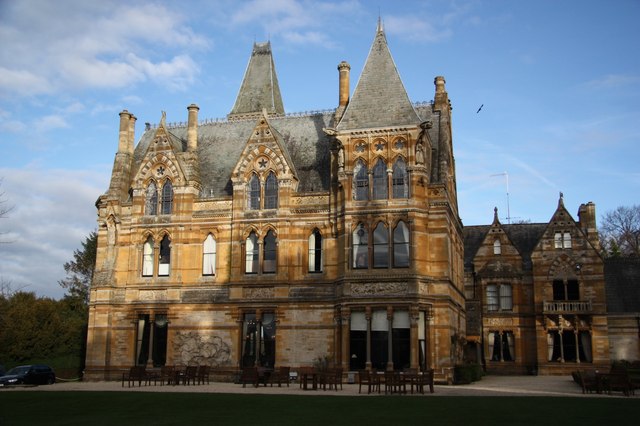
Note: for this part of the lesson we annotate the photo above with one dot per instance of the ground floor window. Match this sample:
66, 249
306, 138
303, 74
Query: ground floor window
501, 345
259, 346
151, 339
379, 339
569, 346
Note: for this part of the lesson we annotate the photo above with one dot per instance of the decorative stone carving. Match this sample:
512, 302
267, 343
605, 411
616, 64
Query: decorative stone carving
379, 288
258, 292
192, 348
152, 295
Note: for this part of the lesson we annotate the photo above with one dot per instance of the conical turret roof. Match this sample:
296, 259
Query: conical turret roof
260, 89
380, 99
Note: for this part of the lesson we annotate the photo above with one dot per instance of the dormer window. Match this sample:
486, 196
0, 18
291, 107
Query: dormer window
151, 199
271, 192
254, 193
166, 204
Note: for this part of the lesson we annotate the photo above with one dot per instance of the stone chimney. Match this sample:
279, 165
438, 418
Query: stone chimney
132, 133
192, 128
344, 68
441, 98
123, 137
587, 222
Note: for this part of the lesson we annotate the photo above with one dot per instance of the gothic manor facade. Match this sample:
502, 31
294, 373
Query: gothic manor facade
278, 239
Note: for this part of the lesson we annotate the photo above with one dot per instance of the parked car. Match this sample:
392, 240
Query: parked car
29, 374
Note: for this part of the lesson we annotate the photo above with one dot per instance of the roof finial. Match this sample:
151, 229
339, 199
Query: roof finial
380, 27
495, 215
561, 200
163, 120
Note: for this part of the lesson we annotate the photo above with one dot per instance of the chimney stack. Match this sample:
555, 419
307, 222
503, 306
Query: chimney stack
587, 221
441, 98
132, 133
123, 137
344, 68
192, 128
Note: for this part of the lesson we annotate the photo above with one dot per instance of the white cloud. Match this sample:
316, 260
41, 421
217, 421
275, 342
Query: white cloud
73, 45
416, 28
53, 213
611, 81
51, 122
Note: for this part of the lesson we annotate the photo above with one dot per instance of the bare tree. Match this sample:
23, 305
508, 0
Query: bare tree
620, 231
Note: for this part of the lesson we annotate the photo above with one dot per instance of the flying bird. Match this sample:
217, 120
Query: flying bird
479, 108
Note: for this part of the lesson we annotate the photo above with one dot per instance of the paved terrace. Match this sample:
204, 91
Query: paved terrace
559, 386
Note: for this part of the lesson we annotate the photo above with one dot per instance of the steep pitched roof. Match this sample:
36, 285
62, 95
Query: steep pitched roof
260, 89
380, 99
622, 278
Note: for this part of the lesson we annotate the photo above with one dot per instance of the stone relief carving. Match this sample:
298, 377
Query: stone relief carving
151, 295
192, 348
379, 288
259, 293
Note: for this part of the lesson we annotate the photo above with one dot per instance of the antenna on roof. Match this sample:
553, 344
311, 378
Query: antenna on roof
506, 175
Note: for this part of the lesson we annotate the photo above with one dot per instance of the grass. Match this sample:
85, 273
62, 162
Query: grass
141, 408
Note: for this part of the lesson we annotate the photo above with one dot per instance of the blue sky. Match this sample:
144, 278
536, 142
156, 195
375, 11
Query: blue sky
559, 81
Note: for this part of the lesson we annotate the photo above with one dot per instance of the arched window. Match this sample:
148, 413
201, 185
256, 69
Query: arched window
254, 193
360, 247
497, 248
380, 246
271, 192
167, 198
360, 181
380, 185
147, 258
164, 262
315, 251
401, 246
251, 254
151, 199
209, 256
270, 254
399, 179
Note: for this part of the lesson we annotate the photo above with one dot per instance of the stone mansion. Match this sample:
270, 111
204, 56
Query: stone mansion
278, 239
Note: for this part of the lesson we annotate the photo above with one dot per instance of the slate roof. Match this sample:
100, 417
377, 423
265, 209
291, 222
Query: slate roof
524, 236
380, 99
622, 279
260, 89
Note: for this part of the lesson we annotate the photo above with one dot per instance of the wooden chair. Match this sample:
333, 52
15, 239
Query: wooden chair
333, 378
394, 382
249, 375
136, 373
279, 375
423, 380
588, 381
190, 375
167, 375
369, 379
203, 374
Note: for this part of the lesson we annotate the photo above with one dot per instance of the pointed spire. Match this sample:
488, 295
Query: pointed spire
561, 200
380, 98
260, 89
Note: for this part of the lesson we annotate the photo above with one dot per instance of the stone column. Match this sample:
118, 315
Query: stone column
367, 315
390, 338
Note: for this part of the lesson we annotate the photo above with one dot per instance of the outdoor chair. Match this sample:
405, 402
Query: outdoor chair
135, 374
369, 379
279, 375
249, 375
203, 374
588, 381
190, 375
333, 378
167, 375
394, 382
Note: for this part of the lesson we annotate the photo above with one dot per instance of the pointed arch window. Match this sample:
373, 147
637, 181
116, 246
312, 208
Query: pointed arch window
270, 253
399, 179
209, 256
401, 246
147, 258
151, 199
380, 181
251, 254
360, 247
271, 192
380, 246
497, 247
254, 193
164, 263
360, 181
167, 198
315, 251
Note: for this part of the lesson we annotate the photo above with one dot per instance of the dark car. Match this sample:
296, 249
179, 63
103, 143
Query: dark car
29, 375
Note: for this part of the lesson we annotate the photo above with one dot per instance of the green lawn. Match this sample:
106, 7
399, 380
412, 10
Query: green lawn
140, 408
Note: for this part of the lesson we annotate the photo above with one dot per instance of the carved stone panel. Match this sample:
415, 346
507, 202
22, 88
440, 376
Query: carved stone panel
258, 292
377, 289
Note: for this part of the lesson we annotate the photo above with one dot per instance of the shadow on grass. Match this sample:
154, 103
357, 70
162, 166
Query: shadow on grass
141, 408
